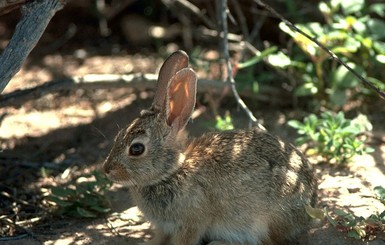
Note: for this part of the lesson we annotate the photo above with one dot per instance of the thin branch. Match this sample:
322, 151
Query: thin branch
194, 9
230, 79
7, 6
117, 7
242, 19
323, 47
36, 16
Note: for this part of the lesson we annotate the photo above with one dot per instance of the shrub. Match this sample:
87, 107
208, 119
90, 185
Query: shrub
332, 136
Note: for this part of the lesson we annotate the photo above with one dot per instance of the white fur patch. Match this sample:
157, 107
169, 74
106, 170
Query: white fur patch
232, 233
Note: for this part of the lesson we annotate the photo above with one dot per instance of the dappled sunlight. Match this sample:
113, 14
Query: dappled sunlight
128, 223
18, 123
291, 178
353, 190
67, 240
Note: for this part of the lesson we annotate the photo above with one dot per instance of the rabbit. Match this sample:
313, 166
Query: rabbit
242, 186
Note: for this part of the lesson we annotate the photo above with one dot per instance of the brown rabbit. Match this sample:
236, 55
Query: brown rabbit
234, 187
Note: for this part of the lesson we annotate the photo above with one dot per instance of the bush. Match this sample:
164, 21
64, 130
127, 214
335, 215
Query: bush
334, 137
351, 32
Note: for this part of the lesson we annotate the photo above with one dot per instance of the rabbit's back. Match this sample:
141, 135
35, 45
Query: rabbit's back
252, 159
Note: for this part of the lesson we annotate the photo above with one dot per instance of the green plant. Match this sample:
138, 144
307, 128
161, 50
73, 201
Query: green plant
225, 123
352, 33
355, 227
86, 199
380, 193
333, 136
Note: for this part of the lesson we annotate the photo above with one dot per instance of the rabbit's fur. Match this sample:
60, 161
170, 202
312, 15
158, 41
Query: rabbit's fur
233, 187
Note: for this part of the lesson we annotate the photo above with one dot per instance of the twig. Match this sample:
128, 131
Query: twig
7, 6
117, 7
36, 16
194, 9
12, 238
230, 79
26, 230
241, 18
323, 47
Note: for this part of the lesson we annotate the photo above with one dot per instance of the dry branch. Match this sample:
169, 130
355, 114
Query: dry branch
35, 17
7, 6
230, 78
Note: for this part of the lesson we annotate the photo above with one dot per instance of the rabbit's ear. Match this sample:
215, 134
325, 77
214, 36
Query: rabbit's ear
181, 95
174, 63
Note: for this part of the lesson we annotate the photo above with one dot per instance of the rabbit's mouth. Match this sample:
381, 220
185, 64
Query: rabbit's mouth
121, 177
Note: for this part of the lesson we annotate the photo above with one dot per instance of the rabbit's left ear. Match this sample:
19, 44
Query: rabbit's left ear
181, 96
174, 63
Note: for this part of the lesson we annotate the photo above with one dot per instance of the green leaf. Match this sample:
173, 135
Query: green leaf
306, 89
279, 60
85, 213
352, 6
376, 27
338, 97
378, 8
342, 78
295, 124
324, 8
258, 58
90, 200
58, 201
340, 212
255, 87
380, 192
331, 220
379, 47
315, 213
380, 58
62, 191
369, 150
101, 209
354, 234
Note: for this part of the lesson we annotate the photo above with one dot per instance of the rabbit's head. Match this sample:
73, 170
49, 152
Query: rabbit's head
149, 149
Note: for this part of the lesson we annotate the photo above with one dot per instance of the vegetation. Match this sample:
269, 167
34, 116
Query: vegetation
225, 123
349, 31
85, 199
355, 227
334, 137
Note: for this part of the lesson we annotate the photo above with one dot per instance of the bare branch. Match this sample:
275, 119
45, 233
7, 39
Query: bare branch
36, 16
230, 79
7, 6
194, 9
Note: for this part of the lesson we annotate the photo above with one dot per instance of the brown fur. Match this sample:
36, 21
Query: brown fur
234, 187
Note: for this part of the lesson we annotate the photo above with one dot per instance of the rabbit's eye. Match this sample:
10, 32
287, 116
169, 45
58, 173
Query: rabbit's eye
136, 149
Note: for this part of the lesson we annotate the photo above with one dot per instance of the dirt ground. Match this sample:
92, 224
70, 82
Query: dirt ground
74, 130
